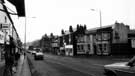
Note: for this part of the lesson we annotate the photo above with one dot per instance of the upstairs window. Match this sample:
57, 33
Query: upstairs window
117, 35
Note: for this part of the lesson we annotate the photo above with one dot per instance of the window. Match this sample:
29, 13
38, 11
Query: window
106, 36
82, 47
100, 47
98, 36
116, 35
104, 47
78, 47
88, 46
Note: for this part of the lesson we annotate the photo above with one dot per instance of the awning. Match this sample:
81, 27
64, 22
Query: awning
20, 6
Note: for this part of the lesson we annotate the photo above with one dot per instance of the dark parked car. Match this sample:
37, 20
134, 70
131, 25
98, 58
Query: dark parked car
121, 69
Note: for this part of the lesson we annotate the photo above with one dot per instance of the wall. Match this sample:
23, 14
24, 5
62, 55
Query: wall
120, 33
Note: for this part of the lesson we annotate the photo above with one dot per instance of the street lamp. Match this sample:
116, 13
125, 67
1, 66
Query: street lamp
100, 27
99, 15
26, 23
26, 31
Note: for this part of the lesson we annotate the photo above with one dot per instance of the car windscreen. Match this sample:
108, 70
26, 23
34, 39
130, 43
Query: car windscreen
131, 62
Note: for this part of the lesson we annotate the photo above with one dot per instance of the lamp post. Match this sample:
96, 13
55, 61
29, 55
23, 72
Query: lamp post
100, 28
25, 35
99, 15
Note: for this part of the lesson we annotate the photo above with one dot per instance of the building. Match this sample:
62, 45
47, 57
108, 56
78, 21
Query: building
5, 25
131, 41
74, 41
7, 28
115, 39
108, 40
55, 45
91, 41
61, 50
68, 43
46, 43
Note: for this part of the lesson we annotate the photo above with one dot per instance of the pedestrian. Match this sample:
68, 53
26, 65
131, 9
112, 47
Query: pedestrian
17, 57
24, 55
9, 59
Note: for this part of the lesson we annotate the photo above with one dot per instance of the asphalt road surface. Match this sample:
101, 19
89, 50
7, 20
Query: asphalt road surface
53, 65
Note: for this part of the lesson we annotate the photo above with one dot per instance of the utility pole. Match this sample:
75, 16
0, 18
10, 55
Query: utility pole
100, 14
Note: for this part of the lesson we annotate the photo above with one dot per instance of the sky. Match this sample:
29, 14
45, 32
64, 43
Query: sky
50, 16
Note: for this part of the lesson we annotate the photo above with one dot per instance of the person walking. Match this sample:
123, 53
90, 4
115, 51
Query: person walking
9, 61
9, 57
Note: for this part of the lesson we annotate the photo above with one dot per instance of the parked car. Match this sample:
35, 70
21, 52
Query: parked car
39, 55
121, 68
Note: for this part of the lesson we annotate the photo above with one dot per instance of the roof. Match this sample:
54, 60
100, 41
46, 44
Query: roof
20, 6
67, 32
132, 32
93, 30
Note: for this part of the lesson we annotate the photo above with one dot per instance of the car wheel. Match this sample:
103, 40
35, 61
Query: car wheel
111, 74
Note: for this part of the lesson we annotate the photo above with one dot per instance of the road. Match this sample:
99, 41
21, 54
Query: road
54, 65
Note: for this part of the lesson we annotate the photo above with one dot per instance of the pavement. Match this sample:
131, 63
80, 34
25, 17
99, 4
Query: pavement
22, 68
2, 62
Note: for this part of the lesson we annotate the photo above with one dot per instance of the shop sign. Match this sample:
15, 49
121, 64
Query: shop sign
5, 26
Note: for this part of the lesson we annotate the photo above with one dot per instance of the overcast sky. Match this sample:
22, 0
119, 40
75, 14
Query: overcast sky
50, 16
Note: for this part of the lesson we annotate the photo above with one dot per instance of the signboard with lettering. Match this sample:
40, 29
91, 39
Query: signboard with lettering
5, 26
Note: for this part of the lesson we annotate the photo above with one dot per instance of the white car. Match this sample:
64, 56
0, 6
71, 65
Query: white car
39, 55
121, 68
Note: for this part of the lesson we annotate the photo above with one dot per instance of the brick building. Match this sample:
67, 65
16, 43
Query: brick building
112, 39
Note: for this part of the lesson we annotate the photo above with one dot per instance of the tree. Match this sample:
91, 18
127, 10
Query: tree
70, 29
